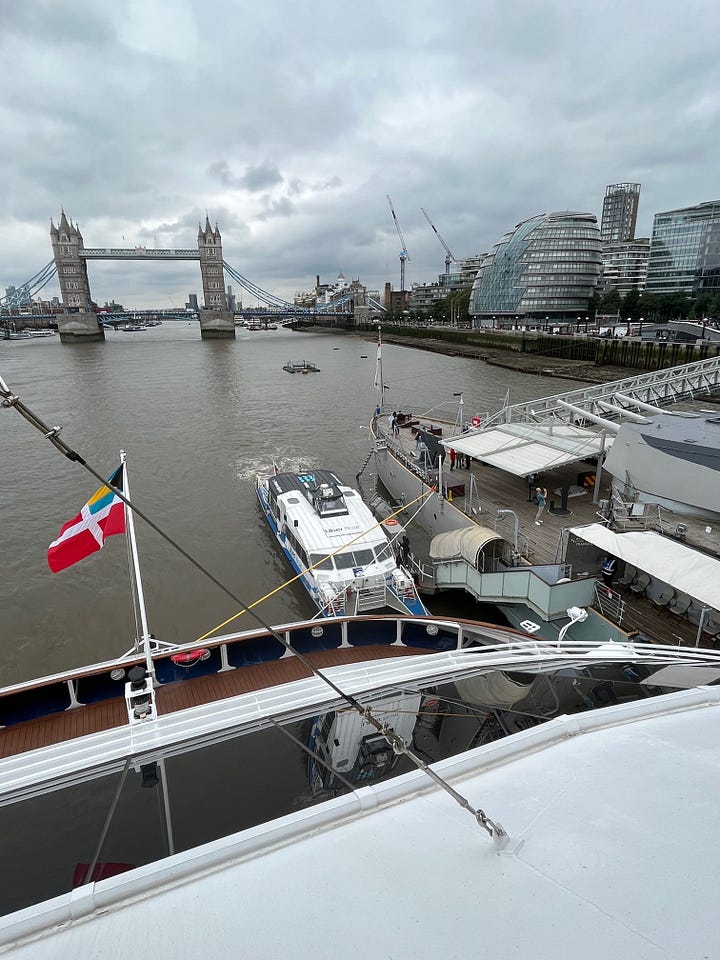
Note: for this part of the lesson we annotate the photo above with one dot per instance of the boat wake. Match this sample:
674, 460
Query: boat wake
248, 469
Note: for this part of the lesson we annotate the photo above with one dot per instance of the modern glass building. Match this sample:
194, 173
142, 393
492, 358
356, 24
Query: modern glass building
545, 269
625, 265
685, 250
619, 215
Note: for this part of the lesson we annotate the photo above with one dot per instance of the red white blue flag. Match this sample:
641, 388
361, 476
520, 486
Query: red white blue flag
102, 516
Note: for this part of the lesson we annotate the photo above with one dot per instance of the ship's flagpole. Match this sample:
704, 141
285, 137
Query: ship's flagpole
379, 384
130, 527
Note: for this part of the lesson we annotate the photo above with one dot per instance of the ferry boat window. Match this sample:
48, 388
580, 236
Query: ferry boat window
316, 560
345, 561
358, 558
384, 553
363, 557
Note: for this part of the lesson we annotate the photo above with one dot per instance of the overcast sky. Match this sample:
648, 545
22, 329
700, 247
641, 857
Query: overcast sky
291, 122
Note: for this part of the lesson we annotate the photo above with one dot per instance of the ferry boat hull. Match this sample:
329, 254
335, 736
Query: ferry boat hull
373, 588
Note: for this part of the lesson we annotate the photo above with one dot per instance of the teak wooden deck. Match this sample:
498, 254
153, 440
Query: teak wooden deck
95, 717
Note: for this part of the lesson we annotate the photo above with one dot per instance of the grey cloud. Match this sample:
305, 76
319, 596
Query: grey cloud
486, 118
255, 179
284, 207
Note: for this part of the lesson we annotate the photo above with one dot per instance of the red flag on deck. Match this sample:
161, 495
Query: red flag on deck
102, 516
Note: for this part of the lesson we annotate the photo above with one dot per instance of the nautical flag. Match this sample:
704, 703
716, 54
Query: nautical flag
101, 517
378, 367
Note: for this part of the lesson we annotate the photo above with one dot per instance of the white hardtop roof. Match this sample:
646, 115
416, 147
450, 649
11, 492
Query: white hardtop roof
683, 568
325, 534
527, 448
613, 822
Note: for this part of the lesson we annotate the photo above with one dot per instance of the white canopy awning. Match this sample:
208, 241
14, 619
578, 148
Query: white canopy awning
527, 448
683, 568
465, 544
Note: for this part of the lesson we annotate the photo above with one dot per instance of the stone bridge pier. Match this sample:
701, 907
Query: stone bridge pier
78, 323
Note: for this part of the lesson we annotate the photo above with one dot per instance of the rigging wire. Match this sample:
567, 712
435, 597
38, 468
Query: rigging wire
398, 745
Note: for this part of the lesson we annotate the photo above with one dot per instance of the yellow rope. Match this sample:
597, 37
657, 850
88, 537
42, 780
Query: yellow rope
287, 583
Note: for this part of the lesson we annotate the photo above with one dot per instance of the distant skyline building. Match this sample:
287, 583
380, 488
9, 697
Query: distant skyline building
685, 251
625, 265
545, 269
619, 213
17, 296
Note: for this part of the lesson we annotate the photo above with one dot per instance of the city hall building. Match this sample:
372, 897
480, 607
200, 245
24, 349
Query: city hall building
542, 272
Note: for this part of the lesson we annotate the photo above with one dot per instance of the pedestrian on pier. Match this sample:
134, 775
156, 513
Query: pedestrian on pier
540, 499
452, 458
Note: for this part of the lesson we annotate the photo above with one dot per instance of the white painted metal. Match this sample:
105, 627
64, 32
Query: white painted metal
592, 799
659, 388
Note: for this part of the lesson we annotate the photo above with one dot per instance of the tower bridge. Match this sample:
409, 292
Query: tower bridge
78, 319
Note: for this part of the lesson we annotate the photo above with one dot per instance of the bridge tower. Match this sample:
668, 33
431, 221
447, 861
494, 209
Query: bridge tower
216, 321
79, 321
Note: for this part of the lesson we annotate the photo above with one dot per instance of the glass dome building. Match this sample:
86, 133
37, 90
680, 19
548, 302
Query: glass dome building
545, 269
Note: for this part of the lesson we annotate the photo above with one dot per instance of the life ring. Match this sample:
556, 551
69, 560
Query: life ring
391, 522
476, 421
189, 658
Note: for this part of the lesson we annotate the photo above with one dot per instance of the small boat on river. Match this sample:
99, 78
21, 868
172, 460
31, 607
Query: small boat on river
341, 553
301, 366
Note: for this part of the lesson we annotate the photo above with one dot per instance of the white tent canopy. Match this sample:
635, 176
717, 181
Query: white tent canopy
683, 568
465, 544
527, 448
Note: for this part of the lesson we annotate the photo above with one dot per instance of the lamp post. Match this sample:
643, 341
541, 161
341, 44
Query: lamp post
511, 513
577, 615
546, 323
577, 326
586, 325
640, 327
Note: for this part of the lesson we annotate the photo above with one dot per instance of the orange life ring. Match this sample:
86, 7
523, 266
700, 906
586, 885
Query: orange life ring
390, 522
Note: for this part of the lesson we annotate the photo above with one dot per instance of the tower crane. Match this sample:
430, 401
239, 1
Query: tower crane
404, 255
448, 255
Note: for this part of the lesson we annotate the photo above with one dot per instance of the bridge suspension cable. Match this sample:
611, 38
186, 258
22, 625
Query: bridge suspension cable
268, 298
277, 303
26, 291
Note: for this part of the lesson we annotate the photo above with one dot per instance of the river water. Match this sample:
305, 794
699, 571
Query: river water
198, 421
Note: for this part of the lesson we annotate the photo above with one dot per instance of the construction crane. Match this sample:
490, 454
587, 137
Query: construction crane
448, 255
404, 255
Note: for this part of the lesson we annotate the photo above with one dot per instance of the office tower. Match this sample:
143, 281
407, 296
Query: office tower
619, 213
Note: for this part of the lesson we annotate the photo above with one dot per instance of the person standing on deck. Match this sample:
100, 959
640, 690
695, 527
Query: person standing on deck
395, 424
391, 424
452, 458
608, 570
540, 500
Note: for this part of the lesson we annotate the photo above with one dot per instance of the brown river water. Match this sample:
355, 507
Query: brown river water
198, 420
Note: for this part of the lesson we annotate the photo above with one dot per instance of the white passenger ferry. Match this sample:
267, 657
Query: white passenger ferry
342, 554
